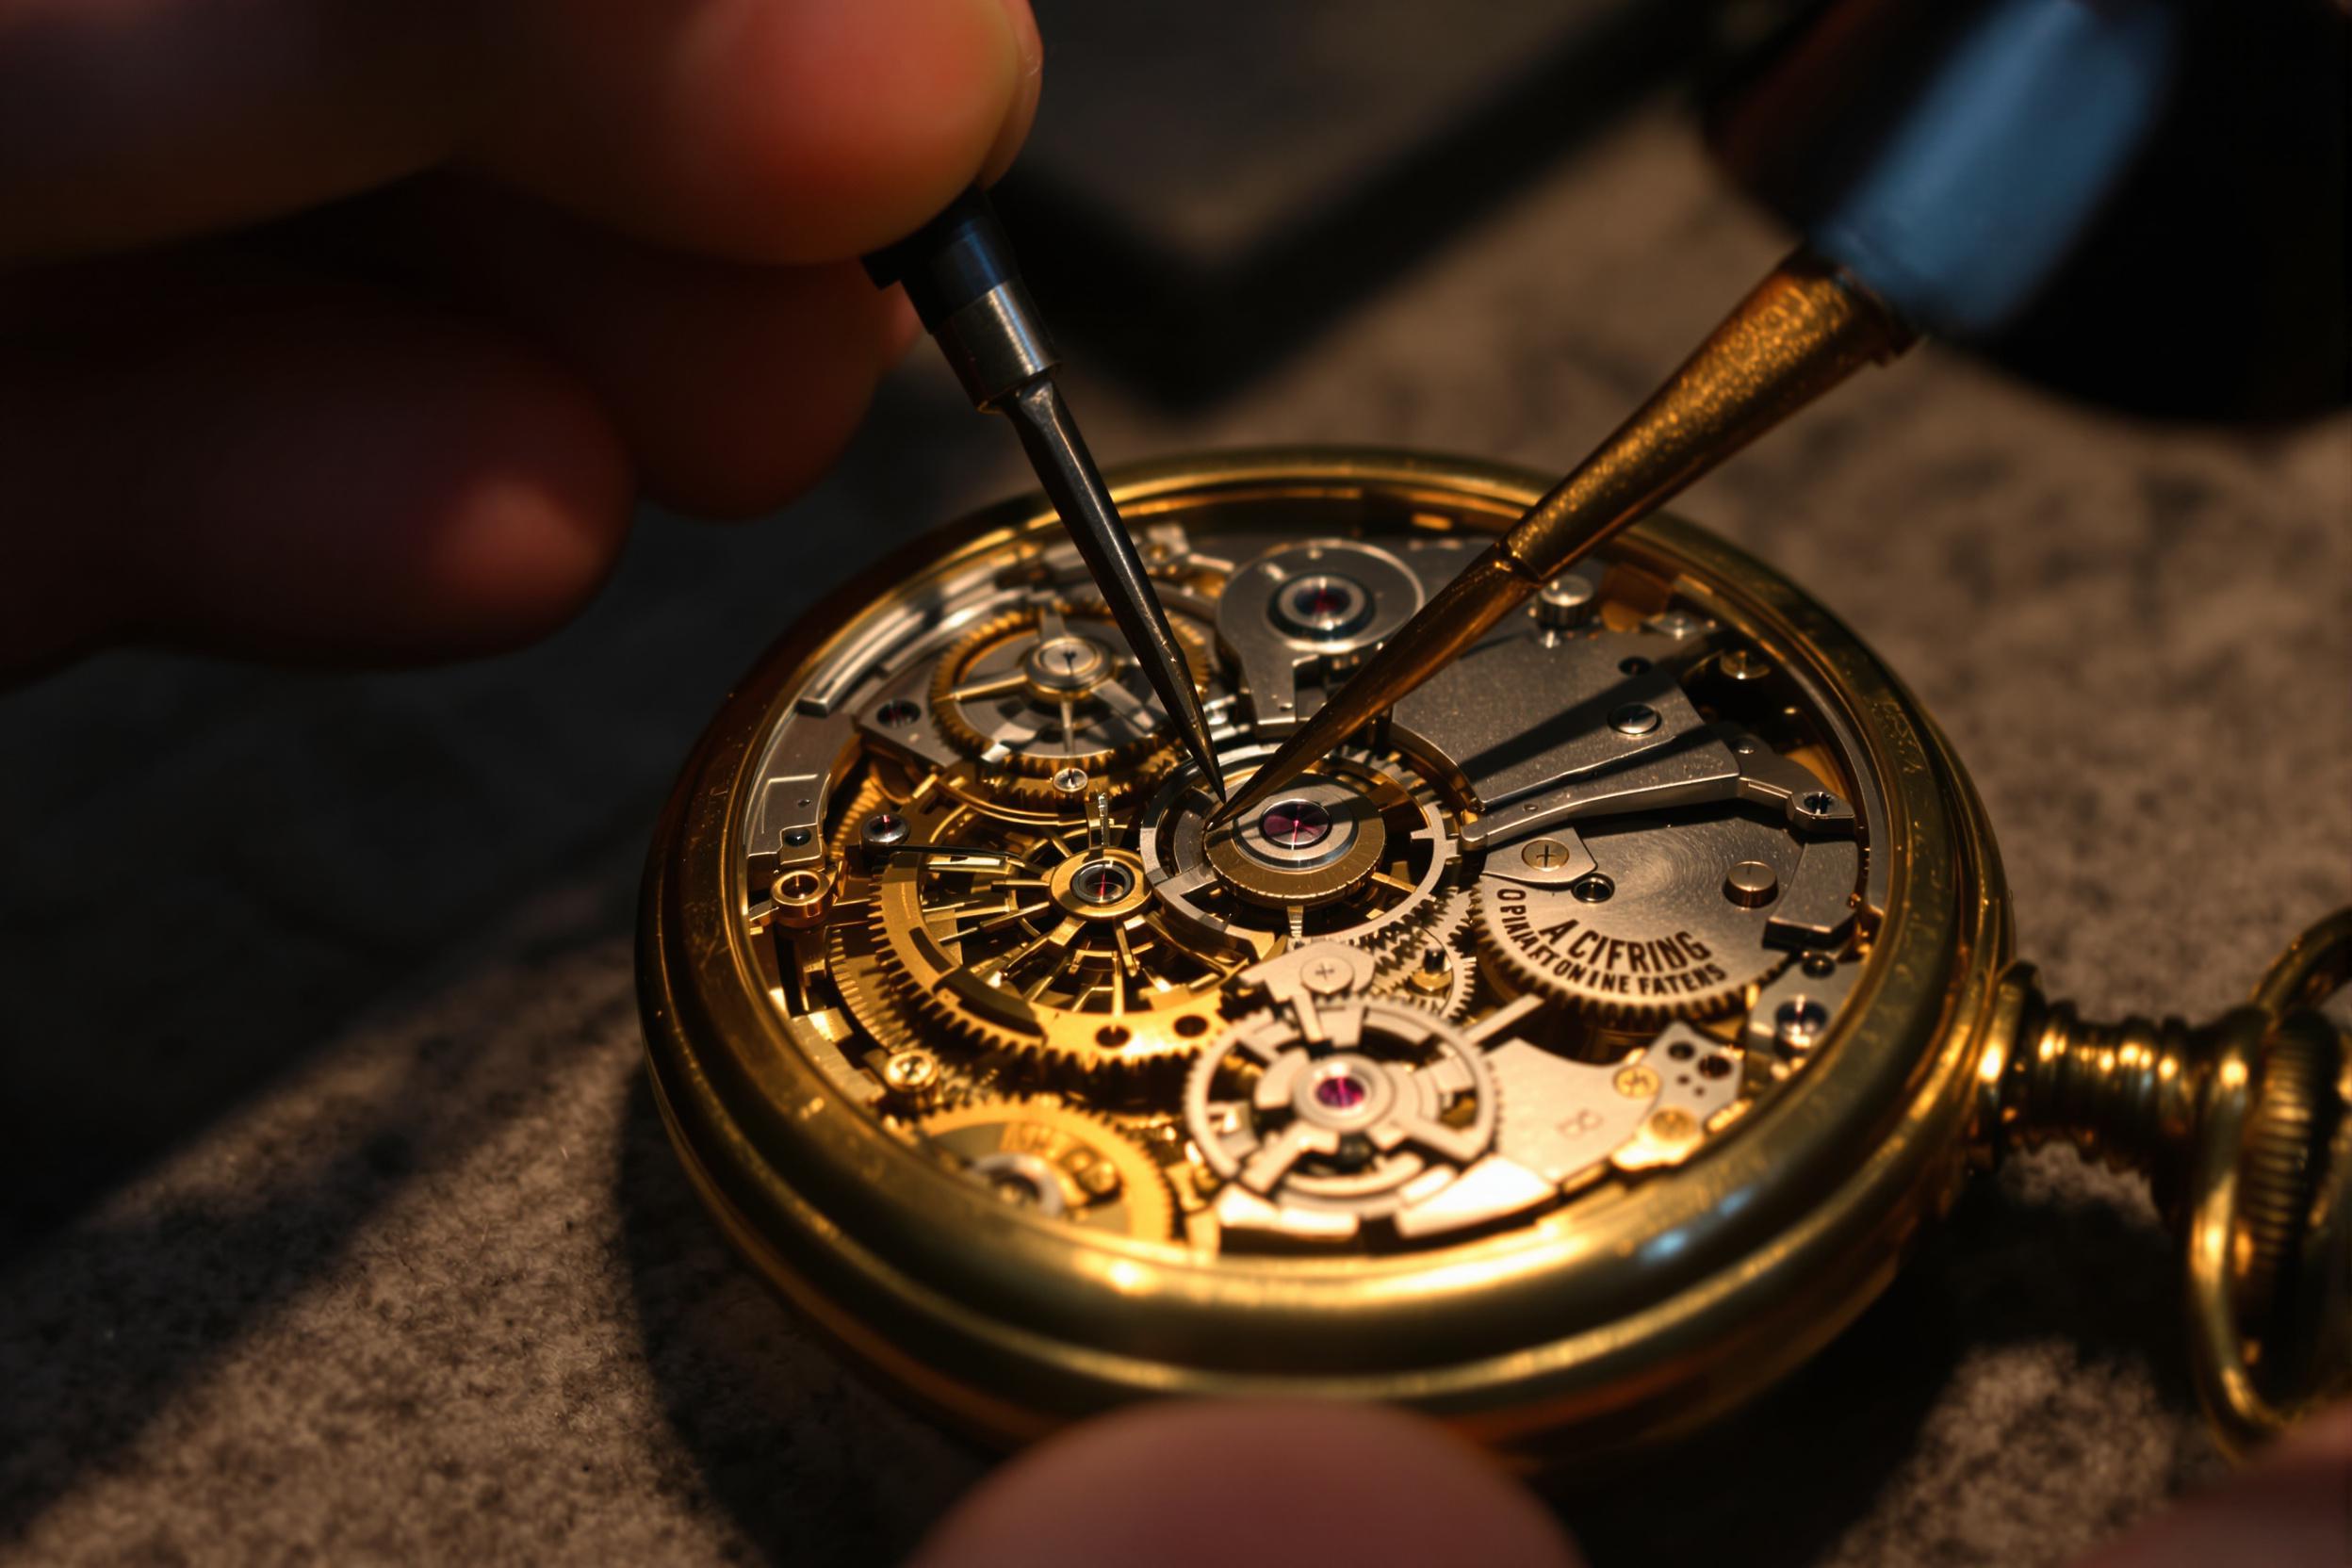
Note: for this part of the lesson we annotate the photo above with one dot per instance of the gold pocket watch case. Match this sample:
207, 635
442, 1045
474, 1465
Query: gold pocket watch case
1567, 1059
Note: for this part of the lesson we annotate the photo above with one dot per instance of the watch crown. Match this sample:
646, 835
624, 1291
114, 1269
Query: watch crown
2244, 1129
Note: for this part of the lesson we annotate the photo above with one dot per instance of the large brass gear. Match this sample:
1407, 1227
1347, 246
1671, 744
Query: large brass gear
999, 697
1651, 934
1072, 1165
854, 957
1022, 797
1055, 952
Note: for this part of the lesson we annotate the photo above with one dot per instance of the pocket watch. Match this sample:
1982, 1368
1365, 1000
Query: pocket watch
1567, 1057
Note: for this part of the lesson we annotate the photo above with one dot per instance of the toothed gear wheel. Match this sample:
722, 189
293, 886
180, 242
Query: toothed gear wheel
1445, 986
1040, 688
1043, 1155
1038, 802
1053, 951
1370, 848
1382, 1109
1651, 934
854, 957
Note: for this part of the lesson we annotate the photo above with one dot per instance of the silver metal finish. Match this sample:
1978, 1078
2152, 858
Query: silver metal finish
1554, 860
1565, 602
1058, 690
1022, 1179
1297, 620
997, 344
1751, 883
1324, 1119
790, 821
1305, 977
1665, 940
1791, 1012
1313, 824
1171, 833
1565, 1120
1817, 909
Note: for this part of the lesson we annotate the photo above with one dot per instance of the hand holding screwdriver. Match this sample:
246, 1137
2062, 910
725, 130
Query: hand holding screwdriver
958, 270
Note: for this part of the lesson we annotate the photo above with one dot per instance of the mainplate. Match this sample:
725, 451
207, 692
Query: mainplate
1531, 936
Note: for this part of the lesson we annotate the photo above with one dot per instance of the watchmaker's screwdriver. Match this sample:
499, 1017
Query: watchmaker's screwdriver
958, 270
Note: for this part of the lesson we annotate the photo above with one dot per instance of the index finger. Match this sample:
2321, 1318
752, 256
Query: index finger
764, 130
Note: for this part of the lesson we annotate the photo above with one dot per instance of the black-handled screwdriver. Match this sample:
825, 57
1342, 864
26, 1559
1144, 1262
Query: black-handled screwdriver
958, 270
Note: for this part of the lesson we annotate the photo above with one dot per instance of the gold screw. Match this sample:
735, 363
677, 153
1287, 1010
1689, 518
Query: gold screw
1094, 1174
1637, 1082
1674, 1125
911, 1072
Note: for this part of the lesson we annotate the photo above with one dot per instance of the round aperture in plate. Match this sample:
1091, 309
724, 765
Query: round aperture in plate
1322, 605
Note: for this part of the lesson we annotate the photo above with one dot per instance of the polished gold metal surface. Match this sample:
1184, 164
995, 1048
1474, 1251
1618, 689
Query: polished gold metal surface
1804, 329
2240, 1126
1038, 1154
962, 1114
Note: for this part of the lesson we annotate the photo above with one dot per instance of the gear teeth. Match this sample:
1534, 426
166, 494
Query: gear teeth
1024, 779
2275, 1172
1746, 971
1453, 1003
855, 957
1447, 928
1069, 1045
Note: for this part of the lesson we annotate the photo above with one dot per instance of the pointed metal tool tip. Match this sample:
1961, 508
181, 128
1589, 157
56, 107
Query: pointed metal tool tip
1204, 755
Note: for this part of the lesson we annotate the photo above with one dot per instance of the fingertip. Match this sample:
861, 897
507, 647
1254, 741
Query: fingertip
1245, 1485
767, 131
522, 503
902, 326
1015, 129
757, 387
346, 478
2287, 1509
857, 123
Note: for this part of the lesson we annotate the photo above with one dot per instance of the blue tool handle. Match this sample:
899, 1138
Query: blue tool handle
1973, 192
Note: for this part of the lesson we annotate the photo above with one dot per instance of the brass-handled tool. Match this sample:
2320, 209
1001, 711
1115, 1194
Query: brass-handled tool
1806, 327
1943, 214
959, 269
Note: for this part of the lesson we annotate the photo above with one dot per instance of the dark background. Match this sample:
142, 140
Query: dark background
335, 1220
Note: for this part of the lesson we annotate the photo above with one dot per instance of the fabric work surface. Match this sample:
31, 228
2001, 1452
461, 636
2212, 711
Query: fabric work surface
340, 1225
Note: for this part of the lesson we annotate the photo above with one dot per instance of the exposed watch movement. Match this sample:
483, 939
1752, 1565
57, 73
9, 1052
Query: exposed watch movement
1568, 1056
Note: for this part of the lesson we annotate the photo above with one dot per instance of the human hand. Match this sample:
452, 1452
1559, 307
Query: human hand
1272, 1486
341, 328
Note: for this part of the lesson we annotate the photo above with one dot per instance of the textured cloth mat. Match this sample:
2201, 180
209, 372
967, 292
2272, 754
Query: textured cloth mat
409, 1274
